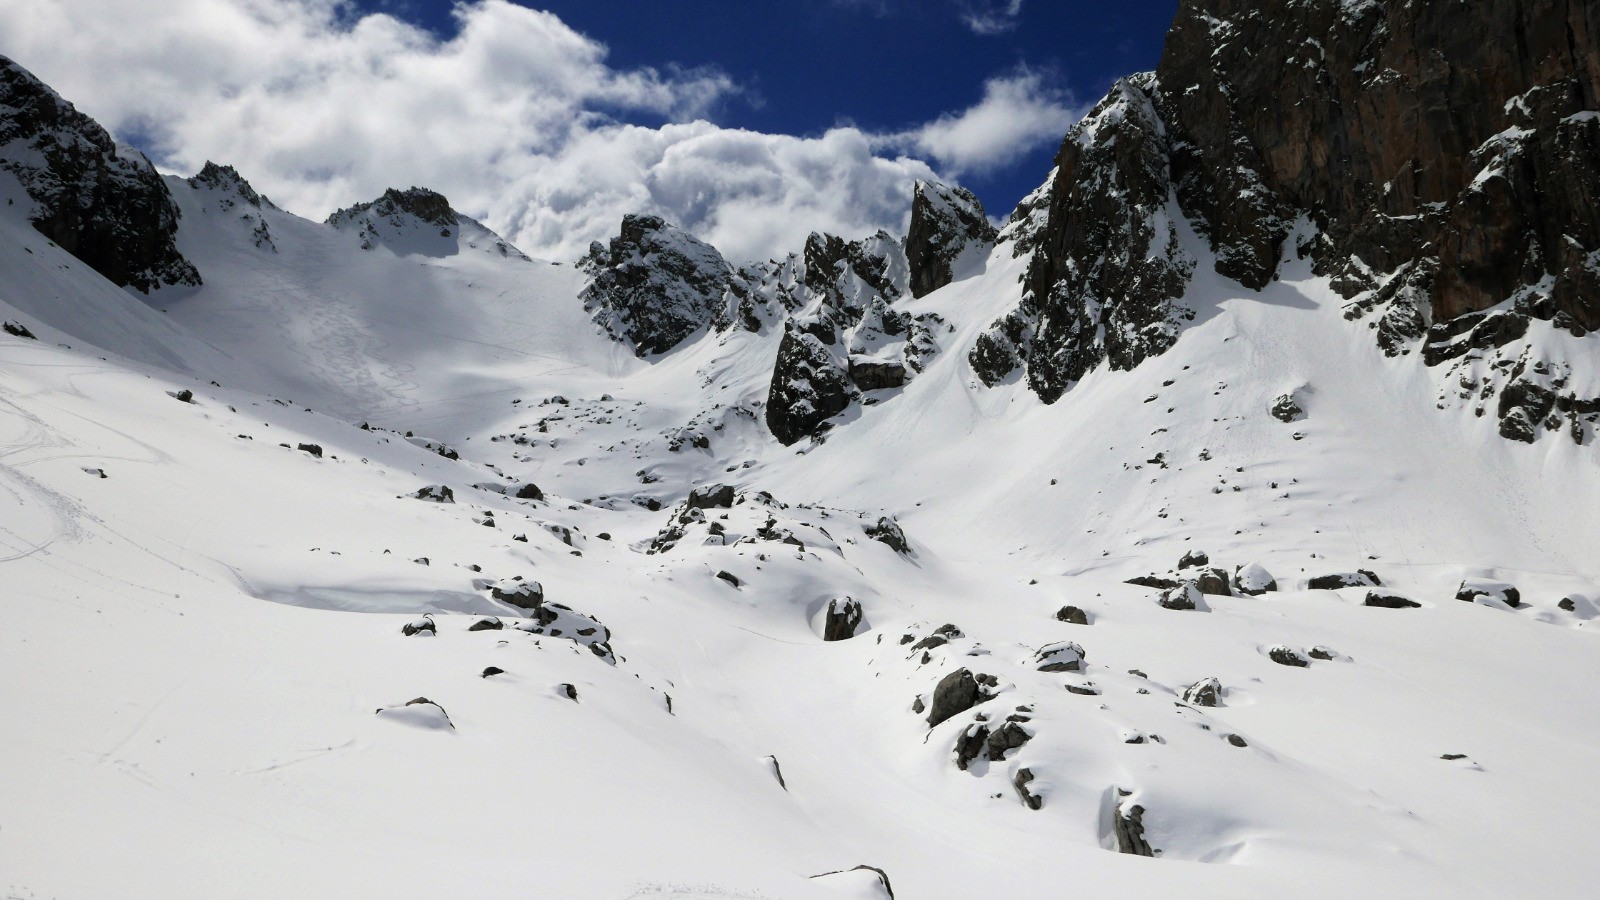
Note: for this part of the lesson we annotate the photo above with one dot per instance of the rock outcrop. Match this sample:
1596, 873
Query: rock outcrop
654, 285
1108, 269
946, 222
104, 204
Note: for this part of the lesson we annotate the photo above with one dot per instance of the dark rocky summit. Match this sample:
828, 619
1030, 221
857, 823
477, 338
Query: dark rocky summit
102, 203
945, 221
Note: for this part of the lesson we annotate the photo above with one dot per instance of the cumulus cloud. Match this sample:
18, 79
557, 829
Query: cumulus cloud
1018, 112
517, 118
989, 17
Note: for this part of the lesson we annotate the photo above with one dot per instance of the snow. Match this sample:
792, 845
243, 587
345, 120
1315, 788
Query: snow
197, 643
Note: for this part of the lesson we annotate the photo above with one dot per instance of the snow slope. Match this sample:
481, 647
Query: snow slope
196, 644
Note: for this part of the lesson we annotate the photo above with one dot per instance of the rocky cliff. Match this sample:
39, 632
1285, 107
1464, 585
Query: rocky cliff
1444, 159
102, 203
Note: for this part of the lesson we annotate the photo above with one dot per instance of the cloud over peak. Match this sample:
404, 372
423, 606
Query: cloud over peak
517, 118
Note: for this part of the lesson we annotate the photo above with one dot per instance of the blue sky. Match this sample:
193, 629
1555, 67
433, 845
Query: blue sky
880, 64
750, 123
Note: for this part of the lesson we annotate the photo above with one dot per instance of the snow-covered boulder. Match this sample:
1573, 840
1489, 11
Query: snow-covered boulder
1064, 656
1253, 580
419, 713
843, 618
1478, 590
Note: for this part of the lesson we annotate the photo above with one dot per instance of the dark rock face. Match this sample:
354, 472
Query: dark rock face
1406, 134
1390, 600
810, 385
1021, 781
17, 329
1127, 826
1448, 158
844, 616
956, 693
945, 221
106, 206
655, 284
1108, 267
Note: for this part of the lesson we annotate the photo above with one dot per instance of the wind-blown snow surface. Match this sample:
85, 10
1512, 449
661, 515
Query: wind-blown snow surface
195, 646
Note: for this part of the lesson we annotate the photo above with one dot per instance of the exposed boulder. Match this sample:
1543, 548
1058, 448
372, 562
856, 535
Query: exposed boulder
1205, 692
956, 693
1284, 655
529, 491
1072, 615
711, 496
655, 285
1214, 581
1389, 600
1127, 825
1193, 558
488, 624
844, 616
1020, 782
945, 222
313, 449
1286, 408
104, 204
888, 532
17, 329
1253, 580
1010, 736
491, 671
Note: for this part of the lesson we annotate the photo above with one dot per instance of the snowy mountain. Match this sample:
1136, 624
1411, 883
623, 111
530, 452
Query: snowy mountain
1221, 525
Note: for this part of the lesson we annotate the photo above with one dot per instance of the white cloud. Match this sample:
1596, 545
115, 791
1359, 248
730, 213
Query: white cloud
517, 118
989, 17
1018, 112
